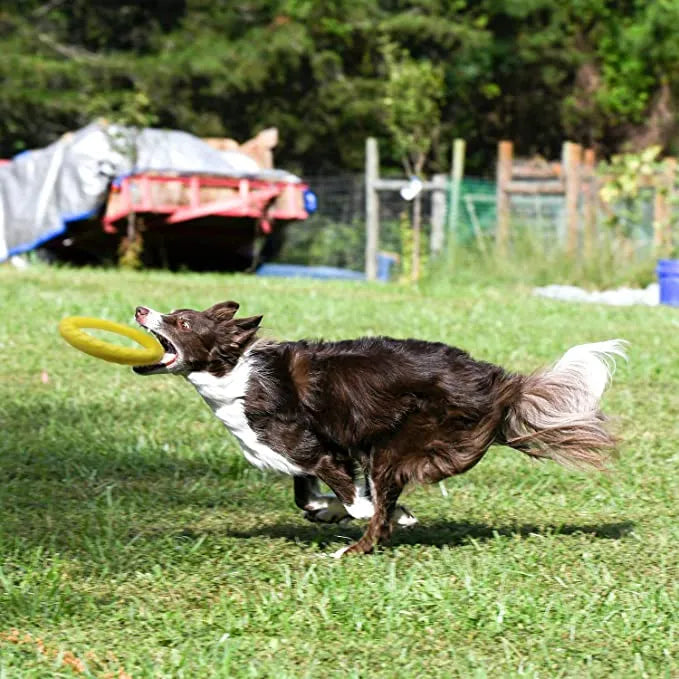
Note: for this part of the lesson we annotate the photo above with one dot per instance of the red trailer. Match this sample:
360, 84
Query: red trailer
200, 221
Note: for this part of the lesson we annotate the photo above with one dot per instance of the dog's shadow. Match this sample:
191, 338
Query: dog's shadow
50, 459
436, 534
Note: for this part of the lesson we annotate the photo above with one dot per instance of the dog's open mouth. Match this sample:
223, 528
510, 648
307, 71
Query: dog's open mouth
169, 357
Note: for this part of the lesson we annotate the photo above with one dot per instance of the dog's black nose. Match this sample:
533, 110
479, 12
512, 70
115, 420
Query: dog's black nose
141, 312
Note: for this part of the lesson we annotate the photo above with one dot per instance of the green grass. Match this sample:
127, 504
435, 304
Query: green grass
134, 535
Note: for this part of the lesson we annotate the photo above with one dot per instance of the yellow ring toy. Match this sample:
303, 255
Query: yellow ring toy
71, 329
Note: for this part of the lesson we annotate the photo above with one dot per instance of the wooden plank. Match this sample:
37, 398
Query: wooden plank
505, 152
550, 171
528, 187
572, 154
372, 207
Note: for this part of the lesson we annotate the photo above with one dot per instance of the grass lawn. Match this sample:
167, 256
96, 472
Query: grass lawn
136, 541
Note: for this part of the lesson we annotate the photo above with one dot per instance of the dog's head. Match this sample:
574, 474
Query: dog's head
195, 341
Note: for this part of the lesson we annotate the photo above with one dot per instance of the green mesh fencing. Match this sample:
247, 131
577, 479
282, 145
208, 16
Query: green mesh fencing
476, 213
335, 234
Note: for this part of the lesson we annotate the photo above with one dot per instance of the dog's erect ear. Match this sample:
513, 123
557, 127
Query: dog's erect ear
244, 329
224, 311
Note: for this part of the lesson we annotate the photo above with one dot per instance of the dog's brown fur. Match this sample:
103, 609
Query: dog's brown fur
393, 411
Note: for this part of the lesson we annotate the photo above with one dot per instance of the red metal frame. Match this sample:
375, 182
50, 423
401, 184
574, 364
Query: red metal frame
256, 199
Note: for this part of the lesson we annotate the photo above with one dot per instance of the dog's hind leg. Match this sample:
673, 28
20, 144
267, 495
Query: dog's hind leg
385, 493
363, 506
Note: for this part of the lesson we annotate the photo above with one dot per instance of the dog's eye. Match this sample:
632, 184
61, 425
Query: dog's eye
185, 325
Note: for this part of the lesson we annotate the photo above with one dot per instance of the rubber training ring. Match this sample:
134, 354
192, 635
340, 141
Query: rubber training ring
71, 329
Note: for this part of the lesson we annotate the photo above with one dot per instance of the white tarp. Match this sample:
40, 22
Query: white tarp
650, 296
42, 190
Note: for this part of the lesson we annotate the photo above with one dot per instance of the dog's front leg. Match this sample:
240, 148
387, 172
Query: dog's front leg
317, 507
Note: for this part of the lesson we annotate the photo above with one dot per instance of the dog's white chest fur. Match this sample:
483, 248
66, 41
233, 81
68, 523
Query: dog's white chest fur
226, 396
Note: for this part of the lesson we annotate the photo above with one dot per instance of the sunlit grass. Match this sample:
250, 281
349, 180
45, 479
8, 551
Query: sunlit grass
134, 536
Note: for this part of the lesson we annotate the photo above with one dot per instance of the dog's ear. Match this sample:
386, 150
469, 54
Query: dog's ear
244, 329
224, 311
232, 338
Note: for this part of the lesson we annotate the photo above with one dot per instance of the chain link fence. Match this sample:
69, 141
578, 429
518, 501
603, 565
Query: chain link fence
335, 234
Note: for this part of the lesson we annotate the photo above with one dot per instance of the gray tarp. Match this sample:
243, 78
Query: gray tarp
41, 191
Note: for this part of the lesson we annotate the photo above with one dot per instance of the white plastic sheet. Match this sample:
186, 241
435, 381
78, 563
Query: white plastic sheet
42, 190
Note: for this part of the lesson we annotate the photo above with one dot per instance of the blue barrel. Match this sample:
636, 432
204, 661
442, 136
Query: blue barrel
668, 278
385, 260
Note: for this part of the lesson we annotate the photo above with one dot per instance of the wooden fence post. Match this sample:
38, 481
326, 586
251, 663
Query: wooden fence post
589, 192
456, 176
571, 157
670, 178
662, 205
503, 177
438, 213
372, 207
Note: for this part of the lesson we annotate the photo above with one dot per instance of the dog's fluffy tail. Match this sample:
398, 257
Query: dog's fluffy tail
556, 414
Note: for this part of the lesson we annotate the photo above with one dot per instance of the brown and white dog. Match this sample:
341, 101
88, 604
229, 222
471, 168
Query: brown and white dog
368, 416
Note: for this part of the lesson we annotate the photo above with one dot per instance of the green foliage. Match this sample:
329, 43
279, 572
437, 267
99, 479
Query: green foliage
412, 104
131, 108
627, 195
531, 70
130, 251
625, 192
536, 258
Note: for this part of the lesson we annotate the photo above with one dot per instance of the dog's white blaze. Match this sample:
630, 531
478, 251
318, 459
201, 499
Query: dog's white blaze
362, 506
154, 321
226, 396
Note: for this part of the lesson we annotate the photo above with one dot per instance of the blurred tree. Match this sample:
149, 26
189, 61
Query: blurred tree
534, 71
412, 110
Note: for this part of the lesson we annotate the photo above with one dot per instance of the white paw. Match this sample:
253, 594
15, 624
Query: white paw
361, 508
403, 517
340, 552
332, 512
320, 502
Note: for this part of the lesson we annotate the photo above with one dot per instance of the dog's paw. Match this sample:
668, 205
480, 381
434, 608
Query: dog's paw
317, 502
403, 518
359, 548
333, 513
340, 552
